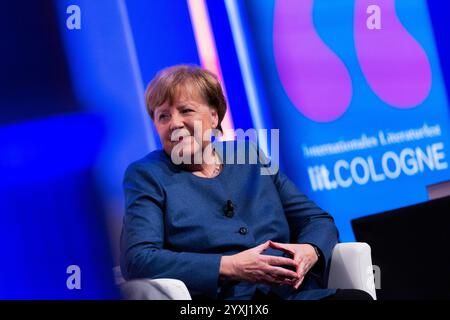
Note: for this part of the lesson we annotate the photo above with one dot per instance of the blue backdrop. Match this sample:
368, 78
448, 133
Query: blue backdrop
73, 116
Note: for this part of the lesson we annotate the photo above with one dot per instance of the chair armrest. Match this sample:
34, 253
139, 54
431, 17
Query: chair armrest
351, 267
155, 289
151, 289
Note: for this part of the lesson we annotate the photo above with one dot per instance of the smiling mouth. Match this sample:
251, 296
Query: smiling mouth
180, 139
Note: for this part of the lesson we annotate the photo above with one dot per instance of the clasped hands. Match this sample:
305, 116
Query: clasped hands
252, 266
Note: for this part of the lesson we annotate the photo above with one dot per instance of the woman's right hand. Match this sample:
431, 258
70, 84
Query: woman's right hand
252, 266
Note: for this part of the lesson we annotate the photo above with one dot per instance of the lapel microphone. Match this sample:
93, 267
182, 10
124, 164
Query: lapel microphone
229, 209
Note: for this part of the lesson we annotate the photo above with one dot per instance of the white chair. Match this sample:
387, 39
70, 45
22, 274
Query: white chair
351, 268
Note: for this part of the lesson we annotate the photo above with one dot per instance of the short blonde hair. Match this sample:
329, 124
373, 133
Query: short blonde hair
166, 84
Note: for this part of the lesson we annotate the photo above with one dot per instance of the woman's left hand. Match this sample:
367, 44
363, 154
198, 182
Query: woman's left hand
303, 254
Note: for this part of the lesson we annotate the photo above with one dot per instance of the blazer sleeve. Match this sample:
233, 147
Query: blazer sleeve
142, 241
308, 223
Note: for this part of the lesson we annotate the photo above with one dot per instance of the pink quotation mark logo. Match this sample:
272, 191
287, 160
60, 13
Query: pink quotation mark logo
317, 81
394, 64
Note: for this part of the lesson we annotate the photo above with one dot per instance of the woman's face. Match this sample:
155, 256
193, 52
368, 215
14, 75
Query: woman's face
176, 122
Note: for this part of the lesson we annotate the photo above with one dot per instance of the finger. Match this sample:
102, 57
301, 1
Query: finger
281, 247
298, 283
282, 272
286, 282
302, 268
263, 246
298, 260
307, 266
280, 261
289, 282
272, 279
298, 256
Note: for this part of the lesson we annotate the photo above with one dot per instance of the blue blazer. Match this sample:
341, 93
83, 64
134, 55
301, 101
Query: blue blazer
175, 225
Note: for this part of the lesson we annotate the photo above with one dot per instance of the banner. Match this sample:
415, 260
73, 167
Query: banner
356, 90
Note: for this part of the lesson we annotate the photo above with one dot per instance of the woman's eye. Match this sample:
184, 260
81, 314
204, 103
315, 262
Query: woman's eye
187, 110
162, 116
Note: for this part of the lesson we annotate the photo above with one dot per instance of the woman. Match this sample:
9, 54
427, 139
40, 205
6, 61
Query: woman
224, 229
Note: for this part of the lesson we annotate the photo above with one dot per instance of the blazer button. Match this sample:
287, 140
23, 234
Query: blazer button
243, 231
229, 213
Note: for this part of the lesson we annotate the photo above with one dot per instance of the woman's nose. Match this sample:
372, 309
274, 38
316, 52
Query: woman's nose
176, 122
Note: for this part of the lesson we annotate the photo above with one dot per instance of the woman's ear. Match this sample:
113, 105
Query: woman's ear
214, 118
